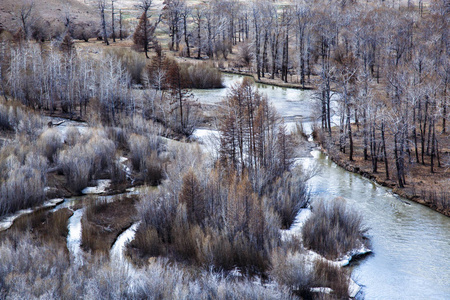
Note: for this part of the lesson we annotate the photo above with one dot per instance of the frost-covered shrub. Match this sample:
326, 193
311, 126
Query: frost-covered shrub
140, 148
291, 269
87, 160
29, 124
24, 182
144, 157
72, 136
76, 164
49, 142
289, 194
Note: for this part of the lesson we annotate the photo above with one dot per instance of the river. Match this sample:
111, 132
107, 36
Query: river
410, 242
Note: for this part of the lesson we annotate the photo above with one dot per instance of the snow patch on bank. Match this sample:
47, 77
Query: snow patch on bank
101, 187
209, 139
126, 168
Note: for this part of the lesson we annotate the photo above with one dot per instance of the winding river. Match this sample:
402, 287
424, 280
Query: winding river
410, 242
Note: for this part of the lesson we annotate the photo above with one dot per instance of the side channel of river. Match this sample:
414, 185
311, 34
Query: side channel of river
410, 242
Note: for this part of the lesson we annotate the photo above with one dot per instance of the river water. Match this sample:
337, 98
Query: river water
410, 242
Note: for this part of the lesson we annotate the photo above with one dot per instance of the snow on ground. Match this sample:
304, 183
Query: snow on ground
74, 236
209, 139
118, 248
101, 187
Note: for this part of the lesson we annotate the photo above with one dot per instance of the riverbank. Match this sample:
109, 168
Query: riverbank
263, 80
423, 187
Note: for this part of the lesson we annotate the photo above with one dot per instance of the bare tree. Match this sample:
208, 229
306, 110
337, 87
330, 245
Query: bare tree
120, 25
26, 17
172, 13
144, 32
112, 21
198, 16
102, 6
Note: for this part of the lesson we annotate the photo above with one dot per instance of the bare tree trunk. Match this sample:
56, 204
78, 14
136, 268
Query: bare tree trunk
397, 162
120, 25
373, 150
101, 6
366, 146
386, 165
432, 148
112, 22
416, 149
350, 136
2, 81
264, 59
274, 50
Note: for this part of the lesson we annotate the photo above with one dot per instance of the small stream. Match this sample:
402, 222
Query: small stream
117, 250
74, 236
410, 242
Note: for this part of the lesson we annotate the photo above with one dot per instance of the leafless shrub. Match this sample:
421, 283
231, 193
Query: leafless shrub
76, 164
81, 31
118, 172
29, 124
29, 270
152, 169
334, 277
50, 141
144, 157
333, 229
72, 136
290, 194
201, 76
245, 55
147, 241
84, 161
120, 137
291, 269
132, 61
158, 211
104, 152
24, 183
145, 127
140, 148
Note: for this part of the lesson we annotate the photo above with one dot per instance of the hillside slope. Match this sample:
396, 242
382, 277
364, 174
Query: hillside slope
48, 15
